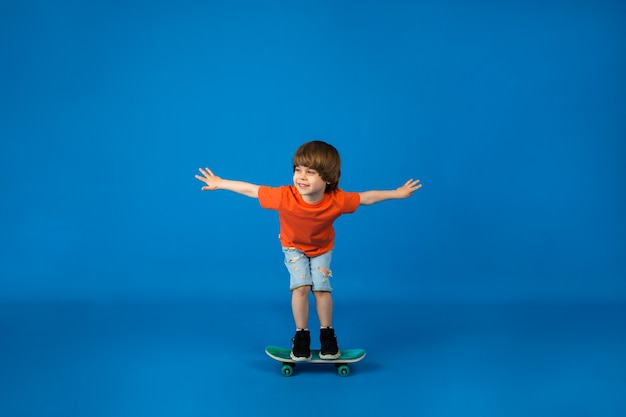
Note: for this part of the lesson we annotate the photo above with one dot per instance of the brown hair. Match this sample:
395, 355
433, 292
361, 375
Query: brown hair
323, 158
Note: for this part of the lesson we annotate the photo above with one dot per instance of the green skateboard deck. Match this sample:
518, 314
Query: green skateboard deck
283, 355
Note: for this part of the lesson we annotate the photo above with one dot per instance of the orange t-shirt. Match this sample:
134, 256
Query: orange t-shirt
307, 227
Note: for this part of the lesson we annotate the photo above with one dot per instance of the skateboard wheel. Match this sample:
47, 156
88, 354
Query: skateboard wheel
343, 370
287, 370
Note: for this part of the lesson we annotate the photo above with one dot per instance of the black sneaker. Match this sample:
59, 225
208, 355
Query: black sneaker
301, 350
329, 349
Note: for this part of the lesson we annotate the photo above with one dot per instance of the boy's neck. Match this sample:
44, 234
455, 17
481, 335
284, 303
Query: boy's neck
313, 198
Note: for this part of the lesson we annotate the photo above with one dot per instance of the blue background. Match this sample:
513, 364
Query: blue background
497, 289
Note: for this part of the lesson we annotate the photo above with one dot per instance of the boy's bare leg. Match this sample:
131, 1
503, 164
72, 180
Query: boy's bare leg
324, 306
300, 306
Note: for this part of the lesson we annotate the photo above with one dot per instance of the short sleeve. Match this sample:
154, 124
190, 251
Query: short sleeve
351, 201
270, 197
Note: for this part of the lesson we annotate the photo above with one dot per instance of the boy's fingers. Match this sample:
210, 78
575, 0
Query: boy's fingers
206, 171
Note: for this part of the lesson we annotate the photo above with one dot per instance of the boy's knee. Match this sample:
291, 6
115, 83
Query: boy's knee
322, 294
302, 291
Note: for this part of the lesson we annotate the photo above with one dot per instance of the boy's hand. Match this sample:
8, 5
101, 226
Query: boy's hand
407, 189
211, 180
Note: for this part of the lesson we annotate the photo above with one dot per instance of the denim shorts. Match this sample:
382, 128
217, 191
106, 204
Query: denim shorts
308, 271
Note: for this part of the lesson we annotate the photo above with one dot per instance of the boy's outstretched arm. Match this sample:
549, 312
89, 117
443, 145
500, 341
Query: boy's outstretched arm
213, 182
376, 196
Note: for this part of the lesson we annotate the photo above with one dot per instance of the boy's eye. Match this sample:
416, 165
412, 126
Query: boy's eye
311, 172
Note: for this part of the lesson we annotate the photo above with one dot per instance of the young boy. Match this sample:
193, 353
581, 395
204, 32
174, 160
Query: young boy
307, 210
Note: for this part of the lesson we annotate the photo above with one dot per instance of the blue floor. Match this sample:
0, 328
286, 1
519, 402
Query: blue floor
206, 358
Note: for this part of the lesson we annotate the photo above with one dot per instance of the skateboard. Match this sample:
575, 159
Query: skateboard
283, 356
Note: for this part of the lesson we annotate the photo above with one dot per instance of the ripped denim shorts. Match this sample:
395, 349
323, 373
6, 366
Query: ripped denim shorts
308, 271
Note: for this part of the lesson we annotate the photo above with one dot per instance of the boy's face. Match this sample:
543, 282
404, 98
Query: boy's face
309, 184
